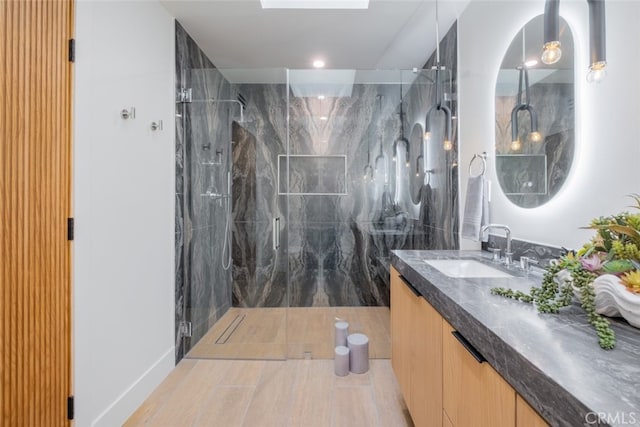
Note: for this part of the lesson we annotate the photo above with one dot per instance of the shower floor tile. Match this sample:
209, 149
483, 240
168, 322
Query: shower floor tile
293, 333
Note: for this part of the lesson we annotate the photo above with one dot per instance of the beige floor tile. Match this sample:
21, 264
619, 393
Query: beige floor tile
312, 393
352, 380
191, 394
161, 395
271, 403
243, 373
354, 407
277, 333
386, 393
226, 407
260, 393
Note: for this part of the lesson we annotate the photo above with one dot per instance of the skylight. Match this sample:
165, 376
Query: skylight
315, 4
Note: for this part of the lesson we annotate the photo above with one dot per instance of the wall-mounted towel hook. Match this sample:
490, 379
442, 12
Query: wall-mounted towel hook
483, 158
128, 114
156, 125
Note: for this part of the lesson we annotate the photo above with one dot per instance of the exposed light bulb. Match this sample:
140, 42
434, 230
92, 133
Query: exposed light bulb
516, 145
324, 118
417, 173
321, 97
427, 135
551, 53
407, 163
447, 145
318, 63
535, 136
597, 72
393, 158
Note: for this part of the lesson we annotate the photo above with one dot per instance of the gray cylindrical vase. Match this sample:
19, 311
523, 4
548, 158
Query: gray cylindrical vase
358, 353
341, 361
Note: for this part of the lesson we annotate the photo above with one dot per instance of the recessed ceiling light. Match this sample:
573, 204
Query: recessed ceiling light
320, 97
531, 63
318, 63
315, 4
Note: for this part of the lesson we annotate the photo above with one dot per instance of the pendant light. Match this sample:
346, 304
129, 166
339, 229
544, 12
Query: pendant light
439, 105
551, 51
597, 37
368, 170
381, 155
401, 138
597, 42
523, 104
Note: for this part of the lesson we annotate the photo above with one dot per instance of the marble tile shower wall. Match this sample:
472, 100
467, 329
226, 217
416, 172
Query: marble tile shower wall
259, 272
338, 245
203, 144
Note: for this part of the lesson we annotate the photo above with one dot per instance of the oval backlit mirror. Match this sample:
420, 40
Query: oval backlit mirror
535, 118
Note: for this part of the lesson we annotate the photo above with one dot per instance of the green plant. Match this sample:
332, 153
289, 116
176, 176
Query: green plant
555, 293
615, 249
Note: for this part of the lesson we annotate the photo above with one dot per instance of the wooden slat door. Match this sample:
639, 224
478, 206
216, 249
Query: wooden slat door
35, 201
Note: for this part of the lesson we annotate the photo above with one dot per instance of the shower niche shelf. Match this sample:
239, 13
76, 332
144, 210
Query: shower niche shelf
214, 195
310, 174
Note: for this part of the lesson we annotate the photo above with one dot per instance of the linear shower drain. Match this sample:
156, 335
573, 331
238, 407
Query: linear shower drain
226, 334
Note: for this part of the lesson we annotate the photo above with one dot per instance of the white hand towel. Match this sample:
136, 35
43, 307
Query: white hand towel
476, 208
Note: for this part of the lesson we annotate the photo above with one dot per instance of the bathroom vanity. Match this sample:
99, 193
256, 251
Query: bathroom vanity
464, 357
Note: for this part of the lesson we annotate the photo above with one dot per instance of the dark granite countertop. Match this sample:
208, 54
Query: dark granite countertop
552, 360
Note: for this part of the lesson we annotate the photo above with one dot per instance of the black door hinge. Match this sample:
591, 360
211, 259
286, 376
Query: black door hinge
70, 407
72, 50
70, 228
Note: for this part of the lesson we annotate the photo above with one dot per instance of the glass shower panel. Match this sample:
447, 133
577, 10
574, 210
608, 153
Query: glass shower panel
234, 250
367, 183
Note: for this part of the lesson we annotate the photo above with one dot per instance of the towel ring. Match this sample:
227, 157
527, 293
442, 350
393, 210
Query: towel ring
483, 158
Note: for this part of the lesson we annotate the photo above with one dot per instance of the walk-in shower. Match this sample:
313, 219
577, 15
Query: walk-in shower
279, 232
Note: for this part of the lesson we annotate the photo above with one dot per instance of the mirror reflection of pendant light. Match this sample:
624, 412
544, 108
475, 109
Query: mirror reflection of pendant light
551, 52
420, 157
523, 104
439, 105
368, 170
381, 155
597, 42
401, 138
597, 37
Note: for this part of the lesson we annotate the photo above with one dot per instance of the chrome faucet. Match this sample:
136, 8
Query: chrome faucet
508, 255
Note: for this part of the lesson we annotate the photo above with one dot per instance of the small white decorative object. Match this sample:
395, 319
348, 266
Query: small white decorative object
614, 300
341, 333
341, 361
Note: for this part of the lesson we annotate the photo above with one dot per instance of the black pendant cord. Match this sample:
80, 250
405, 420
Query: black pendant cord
401, 112
380, 125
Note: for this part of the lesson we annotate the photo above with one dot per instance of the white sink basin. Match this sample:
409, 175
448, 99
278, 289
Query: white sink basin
465, 268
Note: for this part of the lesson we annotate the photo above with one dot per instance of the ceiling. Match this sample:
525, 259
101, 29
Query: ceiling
390, 34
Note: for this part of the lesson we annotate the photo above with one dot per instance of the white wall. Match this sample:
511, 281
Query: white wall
124, 208
607, 156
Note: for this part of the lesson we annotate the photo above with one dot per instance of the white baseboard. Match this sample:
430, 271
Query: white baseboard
126, 404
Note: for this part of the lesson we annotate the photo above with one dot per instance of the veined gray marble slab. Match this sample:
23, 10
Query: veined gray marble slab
552, 360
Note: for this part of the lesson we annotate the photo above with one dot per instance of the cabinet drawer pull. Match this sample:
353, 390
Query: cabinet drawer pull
410, 286
471, 349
